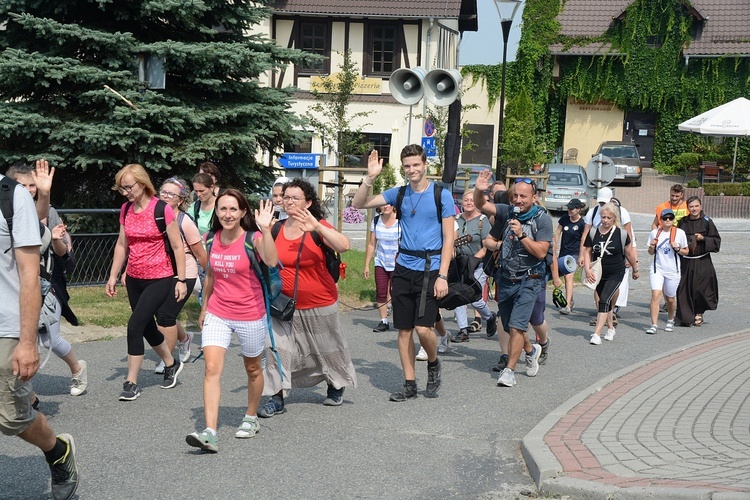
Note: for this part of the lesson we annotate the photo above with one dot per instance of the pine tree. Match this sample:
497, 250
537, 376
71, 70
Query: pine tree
57, 57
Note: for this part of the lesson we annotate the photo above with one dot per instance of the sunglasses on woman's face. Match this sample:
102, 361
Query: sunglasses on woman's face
668, 217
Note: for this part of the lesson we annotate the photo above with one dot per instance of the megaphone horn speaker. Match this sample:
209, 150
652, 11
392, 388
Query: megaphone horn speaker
406, 85
441, 86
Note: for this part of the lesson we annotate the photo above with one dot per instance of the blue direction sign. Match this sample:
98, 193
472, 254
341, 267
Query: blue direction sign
300, 160
428, 143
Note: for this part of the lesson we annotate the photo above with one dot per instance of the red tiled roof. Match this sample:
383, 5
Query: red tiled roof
444, 9
726, 25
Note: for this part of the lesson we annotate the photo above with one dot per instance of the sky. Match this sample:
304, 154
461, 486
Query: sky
485, 46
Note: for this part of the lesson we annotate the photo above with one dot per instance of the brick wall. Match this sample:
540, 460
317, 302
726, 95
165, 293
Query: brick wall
732, 207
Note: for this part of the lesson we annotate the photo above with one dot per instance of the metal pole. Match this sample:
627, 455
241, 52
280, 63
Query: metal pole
734, 161
408, 130
505, 24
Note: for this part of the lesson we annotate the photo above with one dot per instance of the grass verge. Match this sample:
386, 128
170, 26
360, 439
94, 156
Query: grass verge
93, 307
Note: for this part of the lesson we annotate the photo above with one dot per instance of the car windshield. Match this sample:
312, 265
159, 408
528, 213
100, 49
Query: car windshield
619, 152
565, 179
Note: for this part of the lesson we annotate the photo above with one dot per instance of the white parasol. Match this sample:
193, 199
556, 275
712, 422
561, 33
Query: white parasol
728, 120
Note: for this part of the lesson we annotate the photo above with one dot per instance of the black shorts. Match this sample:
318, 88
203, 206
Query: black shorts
406, 292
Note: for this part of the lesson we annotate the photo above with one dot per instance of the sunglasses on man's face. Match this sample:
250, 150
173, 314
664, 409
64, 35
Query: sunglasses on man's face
668, 217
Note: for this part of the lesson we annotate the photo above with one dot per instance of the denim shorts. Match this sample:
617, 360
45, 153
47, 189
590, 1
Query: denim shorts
516, 302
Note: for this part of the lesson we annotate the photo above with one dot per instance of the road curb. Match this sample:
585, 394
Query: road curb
548, 473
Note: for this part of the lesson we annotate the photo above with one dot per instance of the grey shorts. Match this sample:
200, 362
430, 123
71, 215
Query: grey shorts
516, 302
16, 396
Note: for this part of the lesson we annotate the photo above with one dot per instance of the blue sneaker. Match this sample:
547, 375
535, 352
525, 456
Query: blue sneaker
275, 406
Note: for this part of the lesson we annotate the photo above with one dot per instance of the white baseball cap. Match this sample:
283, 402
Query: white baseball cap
604, 195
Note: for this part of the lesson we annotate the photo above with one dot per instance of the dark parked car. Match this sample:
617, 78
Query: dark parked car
627, 160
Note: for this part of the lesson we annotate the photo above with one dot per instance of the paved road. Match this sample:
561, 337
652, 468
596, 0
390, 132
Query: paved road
464, 444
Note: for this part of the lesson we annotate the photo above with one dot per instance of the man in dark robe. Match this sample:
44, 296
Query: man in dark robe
699, 287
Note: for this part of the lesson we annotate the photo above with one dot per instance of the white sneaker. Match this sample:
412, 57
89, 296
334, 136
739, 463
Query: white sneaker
159, 370
422, 354
443, 342
610, 335
595, 339
669, 327
532, 360
79, 382
652, 329
507, 378
183, 348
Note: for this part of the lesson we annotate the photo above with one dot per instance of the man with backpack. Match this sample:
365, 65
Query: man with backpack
20, 244
420, 279
523, 235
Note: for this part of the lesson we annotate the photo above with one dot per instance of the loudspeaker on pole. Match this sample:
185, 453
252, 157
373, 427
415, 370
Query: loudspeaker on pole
441, 86
407, 85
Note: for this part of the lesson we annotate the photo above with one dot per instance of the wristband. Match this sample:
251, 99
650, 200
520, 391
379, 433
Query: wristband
364, 181
181, 280
442, 276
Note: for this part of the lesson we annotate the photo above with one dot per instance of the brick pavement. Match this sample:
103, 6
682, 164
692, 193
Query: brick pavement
643, 199
678, 425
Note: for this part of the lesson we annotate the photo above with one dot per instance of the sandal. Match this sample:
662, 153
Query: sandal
698, 320
475, 326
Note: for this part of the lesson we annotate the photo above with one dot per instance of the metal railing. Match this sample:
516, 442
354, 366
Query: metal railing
93, 251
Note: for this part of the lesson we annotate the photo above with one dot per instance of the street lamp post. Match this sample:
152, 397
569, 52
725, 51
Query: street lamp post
505, 24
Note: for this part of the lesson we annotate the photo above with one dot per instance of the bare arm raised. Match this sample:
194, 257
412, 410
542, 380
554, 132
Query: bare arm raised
361, 198
483, 184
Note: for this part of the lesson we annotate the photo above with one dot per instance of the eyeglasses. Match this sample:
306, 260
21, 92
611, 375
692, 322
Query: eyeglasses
668, 217
168, 194
526, 180
126, 189
293, 199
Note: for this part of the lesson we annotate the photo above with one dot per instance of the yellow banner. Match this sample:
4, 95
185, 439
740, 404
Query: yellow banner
361, 86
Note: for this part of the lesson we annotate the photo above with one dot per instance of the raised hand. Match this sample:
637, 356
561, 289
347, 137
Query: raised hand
483, 180
58, 232
308, 222
43, 176
264, 216
374, 164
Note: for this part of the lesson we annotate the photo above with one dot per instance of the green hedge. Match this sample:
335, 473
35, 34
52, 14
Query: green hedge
727, 189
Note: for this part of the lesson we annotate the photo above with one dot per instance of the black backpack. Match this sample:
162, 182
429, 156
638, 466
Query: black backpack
333, 258
161, 224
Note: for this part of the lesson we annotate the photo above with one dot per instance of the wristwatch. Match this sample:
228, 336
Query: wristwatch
442, 276
523, 235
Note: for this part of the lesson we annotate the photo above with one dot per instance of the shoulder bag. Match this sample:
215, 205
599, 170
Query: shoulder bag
283, 306
596, 266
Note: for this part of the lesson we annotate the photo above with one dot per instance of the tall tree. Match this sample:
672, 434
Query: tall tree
57, 57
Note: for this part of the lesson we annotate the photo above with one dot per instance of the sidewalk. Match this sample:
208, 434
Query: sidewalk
677, 426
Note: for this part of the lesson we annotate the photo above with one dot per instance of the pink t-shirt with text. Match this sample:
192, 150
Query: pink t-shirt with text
147, 256
237, 293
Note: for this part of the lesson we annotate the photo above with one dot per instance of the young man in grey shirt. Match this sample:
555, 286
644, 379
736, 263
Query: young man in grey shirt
19, 355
